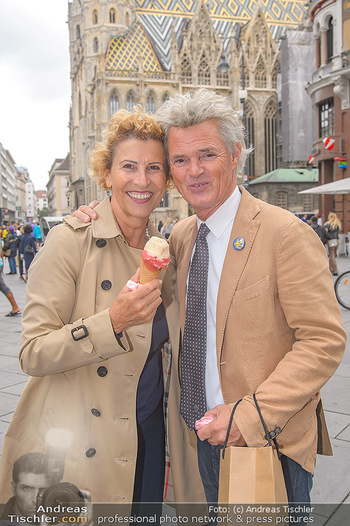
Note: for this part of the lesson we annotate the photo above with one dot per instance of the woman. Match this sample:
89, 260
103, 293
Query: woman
332, 226
27, 248
93, 346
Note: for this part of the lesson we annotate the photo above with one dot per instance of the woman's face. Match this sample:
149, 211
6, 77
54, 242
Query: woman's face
137, 177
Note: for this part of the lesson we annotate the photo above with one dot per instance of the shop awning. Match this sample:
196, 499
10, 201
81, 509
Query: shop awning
336, 187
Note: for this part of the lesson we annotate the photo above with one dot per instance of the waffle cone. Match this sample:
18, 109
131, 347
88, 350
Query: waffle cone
147, 275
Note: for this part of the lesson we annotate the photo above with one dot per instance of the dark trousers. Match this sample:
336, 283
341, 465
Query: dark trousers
298, 480
150, 464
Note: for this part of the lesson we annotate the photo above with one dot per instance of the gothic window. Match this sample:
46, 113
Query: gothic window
95, 45
95, 17
260, 75
330, 40
150, 103
326, 118
112, 16
113, 103
270, 125
78, 32
203, 72
274, 79
186, 70
165, 97
221, 78
250, 134
282, 199
130, 100
127, 19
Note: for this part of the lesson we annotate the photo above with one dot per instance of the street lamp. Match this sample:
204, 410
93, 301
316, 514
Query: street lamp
224, 67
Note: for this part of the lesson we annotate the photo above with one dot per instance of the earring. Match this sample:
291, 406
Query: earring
109, 191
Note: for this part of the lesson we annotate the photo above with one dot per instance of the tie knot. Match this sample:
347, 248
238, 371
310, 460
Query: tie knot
202, 232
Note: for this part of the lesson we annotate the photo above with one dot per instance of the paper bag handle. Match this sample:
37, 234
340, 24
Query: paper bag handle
267, 435
229, 427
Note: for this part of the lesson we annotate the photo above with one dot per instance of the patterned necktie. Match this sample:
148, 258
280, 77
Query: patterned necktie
193, 357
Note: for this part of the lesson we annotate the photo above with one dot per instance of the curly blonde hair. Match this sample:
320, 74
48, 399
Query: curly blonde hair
121, 126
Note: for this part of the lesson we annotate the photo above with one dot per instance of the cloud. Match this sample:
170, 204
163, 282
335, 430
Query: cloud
35, 83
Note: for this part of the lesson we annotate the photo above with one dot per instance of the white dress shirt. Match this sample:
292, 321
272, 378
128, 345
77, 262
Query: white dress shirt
220, 225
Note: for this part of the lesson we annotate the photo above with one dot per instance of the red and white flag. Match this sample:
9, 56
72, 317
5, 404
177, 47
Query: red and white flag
311, 159
329, 143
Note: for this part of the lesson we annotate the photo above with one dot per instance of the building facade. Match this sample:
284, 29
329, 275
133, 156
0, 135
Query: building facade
282, 186
58, 188
130, 52
42, 200
330, 94
8, 186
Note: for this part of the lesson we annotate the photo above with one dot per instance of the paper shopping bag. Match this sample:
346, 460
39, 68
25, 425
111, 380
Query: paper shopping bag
251, 475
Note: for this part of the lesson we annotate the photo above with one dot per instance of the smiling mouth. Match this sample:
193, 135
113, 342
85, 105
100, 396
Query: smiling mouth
140, 196
198, 186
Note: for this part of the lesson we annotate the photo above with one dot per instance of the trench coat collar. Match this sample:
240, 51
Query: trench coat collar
106, 225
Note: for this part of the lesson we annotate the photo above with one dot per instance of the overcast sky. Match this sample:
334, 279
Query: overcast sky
34, 83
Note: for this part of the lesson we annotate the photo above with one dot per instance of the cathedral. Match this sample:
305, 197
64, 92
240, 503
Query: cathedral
129, 52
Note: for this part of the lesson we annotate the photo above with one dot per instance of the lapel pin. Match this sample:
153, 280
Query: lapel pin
238, 243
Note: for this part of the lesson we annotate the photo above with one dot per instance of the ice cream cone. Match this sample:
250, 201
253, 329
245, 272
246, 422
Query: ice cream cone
146, 274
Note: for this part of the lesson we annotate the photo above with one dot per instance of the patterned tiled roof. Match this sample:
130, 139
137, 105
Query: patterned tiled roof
157, 18
124, 51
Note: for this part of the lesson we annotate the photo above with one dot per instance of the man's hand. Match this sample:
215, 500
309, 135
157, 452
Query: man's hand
215, 431
135, 307
86, 212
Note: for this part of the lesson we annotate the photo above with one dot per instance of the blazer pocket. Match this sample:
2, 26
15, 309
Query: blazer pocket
253, 291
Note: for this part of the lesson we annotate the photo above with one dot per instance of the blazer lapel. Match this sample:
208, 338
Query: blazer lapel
245, 226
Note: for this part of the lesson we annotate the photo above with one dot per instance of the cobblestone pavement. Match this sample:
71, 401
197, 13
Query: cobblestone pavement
332, 476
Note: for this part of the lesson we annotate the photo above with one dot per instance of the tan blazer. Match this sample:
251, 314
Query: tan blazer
279, 331
88, 386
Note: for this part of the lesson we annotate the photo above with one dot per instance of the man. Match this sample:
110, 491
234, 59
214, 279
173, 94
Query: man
271, 322
29, 480
319, 229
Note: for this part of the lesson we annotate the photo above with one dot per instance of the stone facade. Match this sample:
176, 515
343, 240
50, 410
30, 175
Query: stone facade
58, 188
130, 52
330, 95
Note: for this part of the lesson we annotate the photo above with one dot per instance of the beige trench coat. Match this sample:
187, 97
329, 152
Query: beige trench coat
83, 379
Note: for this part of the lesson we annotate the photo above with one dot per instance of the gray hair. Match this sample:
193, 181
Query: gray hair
203, 105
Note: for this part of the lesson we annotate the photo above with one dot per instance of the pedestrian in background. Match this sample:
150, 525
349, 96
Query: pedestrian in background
10, 248
38, 236
27, 248
167, 227
332, 226
320, 231
7, 291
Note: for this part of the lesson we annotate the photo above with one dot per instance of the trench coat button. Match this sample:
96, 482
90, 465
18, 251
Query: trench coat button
100, 243
91, 452
106, 284
95, 412
102, 371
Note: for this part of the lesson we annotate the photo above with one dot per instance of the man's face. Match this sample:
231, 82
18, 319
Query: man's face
201, 166
26, 491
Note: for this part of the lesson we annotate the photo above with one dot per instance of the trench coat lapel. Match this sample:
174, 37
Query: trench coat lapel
246, 225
